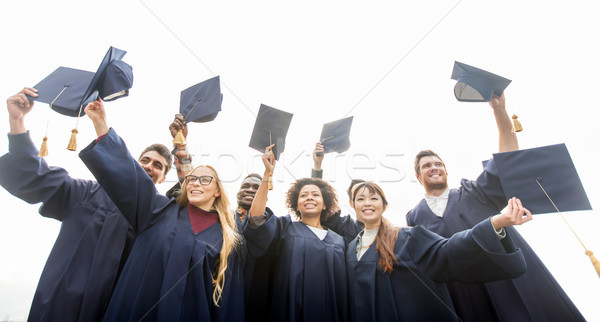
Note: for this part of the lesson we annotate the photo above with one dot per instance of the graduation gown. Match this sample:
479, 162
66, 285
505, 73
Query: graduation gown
168, 276
309, 274
414, 290
92, 244
535, 296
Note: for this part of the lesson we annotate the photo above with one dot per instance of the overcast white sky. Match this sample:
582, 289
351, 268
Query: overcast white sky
386, 63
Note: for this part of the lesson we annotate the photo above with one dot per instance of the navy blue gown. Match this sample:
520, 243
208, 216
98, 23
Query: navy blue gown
415, 291
168, 275
535, 296
309, 274
92, 244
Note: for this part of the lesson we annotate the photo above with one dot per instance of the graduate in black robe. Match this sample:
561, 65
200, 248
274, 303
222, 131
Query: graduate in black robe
397, 274
536, 295
187, 261
309, 277
94, 238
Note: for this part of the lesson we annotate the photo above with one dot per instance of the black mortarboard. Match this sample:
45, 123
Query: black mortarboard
553, 168
117, 80
271, 127
69, 90
201, 102
64, 90
335, 135
476, 85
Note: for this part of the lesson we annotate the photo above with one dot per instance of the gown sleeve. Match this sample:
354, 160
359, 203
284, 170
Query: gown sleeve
124, 180
487, 188
345, 226
28, 177
471, 256
265, 238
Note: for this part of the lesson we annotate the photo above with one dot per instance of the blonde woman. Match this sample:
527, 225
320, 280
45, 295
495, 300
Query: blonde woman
187, 261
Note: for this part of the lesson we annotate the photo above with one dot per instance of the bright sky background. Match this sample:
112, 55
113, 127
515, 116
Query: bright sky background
386, 63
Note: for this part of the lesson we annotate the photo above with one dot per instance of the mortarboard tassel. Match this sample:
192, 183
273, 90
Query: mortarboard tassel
72, 146
270, 181
179, 138
588, 252
594, 260
44, 148
517, 125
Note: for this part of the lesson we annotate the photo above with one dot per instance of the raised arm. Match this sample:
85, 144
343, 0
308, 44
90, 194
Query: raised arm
18, 106
120, 175
27, 176
182, 160
259, 204
318, 156
506, 136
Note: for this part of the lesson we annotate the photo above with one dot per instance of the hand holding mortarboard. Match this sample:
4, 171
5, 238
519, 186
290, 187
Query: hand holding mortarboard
96, 112
335, 136
177, 125
477, 85
199, 103
18, 106
318, 156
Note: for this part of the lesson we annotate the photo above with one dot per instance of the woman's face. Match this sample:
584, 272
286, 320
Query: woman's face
202, 195
310, 201
369, 207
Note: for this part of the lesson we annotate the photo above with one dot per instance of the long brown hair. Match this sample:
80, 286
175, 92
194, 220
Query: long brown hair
387, 234
231, 237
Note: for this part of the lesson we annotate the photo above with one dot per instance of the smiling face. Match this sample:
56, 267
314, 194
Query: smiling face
310, 201
369, 207
247, 192
155, 166
199, 195
432, 173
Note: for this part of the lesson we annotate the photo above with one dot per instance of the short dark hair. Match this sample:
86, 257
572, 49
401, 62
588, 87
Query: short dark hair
163, 151
422, 154
327, 191
352, 184
253, 175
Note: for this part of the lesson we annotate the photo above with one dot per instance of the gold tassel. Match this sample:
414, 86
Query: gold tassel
73, 141
517, 124
44, 148
270, 181
179, 138
594, 260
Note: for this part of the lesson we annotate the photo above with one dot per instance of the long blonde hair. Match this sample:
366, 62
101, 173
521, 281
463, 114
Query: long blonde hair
231, 237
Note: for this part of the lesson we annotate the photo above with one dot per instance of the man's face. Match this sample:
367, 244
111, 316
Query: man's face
433, 174
155, 165
247, 192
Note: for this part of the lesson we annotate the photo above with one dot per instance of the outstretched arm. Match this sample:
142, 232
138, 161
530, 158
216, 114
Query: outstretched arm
506, 136
318, 156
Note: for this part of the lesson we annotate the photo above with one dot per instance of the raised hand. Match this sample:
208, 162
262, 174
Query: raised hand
515, 214
18, 106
